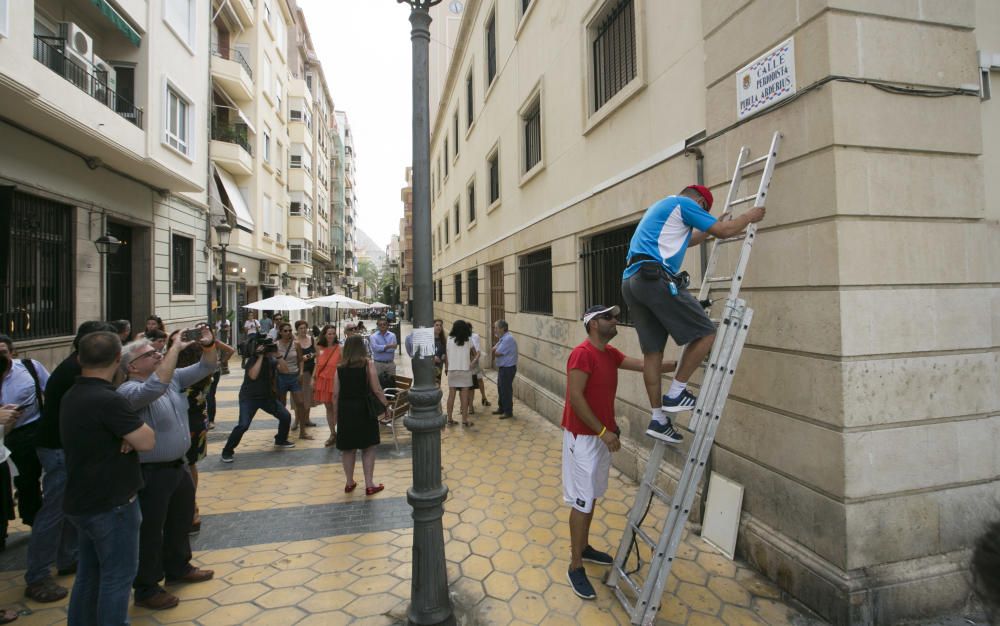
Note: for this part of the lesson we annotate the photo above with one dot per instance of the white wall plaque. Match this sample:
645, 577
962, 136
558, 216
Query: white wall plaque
767, 80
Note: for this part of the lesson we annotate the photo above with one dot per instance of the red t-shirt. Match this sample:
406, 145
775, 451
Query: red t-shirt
602, 385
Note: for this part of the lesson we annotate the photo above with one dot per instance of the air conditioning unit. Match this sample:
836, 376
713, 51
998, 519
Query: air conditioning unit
79, 45
106, 83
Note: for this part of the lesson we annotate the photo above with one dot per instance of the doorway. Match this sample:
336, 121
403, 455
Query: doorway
496, 296
118, 294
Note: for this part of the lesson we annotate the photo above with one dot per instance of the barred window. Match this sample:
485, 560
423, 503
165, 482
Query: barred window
440, 284
182, 265
603, 259
535, 274
532, 122
613, 52
493, 165
473, 287
36, 266
447, 232
491, 48
472, 201
458, 288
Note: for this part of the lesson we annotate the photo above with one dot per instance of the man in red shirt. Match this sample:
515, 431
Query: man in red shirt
590, 433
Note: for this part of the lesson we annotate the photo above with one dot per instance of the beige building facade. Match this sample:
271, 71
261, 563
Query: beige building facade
102, 134
863, 418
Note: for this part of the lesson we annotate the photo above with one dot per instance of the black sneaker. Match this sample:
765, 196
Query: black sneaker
596, 556
581, 586
227, 457
665, 432
284, 444
683, 402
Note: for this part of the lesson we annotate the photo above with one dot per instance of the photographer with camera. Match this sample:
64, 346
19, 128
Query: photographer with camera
259, 393
154, 390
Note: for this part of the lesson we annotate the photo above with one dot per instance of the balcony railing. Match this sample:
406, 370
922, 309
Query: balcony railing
237, 134
232, 54
49, 52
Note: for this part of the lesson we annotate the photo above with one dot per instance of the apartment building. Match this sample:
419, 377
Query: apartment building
350, 207
406, 245
338, 202
102, 135
863, 418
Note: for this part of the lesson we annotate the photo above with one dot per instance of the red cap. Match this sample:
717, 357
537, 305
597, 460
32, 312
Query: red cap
705, 193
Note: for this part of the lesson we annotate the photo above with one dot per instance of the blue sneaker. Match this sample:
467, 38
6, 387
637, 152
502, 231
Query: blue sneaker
683, 402
581, 586
664, 432
596, 556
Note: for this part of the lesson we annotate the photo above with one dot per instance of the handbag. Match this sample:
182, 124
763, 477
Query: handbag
375, 407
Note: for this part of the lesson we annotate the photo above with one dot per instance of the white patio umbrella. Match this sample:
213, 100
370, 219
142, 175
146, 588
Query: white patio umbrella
280, 303
337, 301
378, 305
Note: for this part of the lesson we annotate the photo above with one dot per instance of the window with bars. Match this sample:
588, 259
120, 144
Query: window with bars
532, 123
493, 167
535, 276
182, 265
472, 201
613, 51
469, 102
491, 48
440, 285
473, 287
458, 288
36, 266
603, 258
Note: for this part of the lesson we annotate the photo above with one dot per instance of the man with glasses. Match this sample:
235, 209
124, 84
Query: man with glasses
659, 302
154, 390
383, 345
590, 433
273, 331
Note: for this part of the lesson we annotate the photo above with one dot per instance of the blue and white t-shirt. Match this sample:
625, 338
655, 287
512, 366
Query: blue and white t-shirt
665, 230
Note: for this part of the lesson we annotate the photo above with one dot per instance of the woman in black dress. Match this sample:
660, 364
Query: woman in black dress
356, 429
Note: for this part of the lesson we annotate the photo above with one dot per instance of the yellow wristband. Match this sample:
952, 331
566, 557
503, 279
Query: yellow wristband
603, 430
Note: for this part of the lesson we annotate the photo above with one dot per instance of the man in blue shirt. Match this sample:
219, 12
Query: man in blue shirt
383, 345
659, 308
505, 353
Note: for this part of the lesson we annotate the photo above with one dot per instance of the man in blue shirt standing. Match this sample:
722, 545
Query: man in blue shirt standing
505, 353
659, 307
383, 344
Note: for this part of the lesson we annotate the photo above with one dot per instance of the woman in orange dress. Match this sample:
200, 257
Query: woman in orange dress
326, 367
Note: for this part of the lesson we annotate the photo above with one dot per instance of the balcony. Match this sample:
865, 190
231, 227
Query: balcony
49, 52
231, 71
230, 149
244, 9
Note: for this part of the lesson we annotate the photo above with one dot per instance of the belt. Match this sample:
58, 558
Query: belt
164, 464
636, 258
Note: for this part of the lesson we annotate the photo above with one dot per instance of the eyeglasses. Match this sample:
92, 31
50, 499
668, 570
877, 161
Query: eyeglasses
153, 352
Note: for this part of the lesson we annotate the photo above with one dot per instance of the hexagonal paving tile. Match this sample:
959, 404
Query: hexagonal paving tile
476, 567
699, 598
231, 615
373, 584
484, 546
283, 597
507, 561
329, 582
500, 585
326, 601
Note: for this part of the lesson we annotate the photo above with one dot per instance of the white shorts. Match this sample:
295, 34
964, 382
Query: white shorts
586, 462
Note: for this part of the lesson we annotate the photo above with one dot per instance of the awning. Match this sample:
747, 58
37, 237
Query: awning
246, 120
244, 219
115, 18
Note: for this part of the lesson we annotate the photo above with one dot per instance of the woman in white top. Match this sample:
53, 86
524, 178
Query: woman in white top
252, 325
458, 366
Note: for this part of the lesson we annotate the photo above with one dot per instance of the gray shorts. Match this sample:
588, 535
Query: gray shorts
657, 313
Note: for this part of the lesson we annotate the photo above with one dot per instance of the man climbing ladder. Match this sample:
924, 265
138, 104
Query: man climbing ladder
655, 291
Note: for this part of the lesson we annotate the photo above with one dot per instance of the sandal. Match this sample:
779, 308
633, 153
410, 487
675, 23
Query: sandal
351, 487
7, 616
305, 435
330, 441
371, 491
452, 422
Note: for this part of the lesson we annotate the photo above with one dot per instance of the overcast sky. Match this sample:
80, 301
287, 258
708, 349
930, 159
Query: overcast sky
364, 46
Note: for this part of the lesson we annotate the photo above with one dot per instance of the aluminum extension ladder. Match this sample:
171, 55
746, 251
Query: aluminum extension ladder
641, 598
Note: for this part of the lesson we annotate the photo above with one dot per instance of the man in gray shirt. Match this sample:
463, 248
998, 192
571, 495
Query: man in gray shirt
154, 390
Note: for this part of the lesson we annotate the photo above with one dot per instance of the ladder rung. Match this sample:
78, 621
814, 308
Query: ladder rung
641, 533
759, 159
743, 199
732, 239
661, 494
625, 577
719, 279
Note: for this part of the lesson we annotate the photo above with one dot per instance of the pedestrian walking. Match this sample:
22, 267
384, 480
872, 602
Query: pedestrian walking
306, 345
326, 366
590, 434
458, 367
290, 379
505, 357
655, 290
259, 393
383, 344
357, 426
102, 438
276, 321
155, 389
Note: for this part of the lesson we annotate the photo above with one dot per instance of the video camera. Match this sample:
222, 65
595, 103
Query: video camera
259, 344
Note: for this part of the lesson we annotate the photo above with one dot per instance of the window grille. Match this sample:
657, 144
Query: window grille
458, 288
603, 259
473, 287
533, 136
182, 265
535, 273
494, 168
36, 267
613, 51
